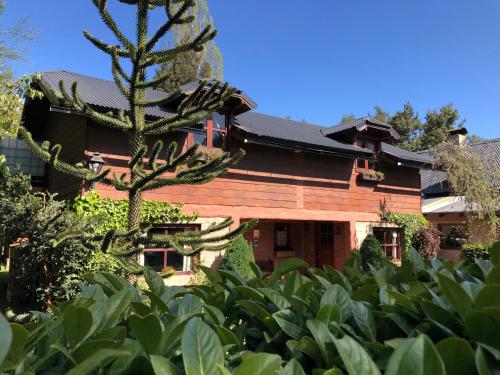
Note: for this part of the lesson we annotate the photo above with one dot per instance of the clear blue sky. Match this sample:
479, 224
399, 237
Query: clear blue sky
319, 59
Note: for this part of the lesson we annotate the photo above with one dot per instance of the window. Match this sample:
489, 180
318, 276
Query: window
212, 134
282, 237
453, 235
390, 239
158, 259
370, 146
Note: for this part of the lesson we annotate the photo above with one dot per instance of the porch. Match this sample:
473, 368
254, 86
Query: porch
317, 242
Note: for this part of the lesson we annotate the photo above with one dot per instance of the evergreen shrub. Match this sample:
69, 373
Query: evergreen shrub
371, 252
238, 257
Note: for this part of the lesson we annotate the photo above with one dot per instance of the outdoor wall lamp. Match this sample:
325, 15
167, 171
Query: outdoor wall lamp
95, 164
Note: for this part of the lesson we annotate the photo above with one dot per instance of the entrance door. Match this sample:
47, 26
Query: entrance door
324, 251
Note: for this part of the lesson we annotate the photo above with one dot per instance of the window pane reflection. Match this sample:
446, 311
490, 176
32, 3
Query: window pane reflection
219, 121
200, 138
218, 139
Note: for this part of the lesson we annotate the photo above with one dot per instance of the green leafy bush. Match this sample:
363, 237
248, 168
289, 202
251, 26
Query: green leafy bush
238, 257
371, 253
110, 214
427, 242
410, 223
471, 251
49, 264
421, 318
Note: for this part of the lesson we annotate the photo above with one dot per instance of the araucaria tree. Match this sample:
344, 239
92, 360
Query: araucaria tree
162, 165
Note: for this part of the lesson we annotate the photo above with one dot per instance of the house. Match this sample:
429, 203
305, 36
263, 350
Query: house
316, 190
448, 212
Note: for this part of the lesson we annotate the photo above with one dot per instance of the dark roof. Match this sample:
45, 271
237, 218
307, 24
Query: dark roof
401, 154
435, 182
356, 125
105, 94
280, 130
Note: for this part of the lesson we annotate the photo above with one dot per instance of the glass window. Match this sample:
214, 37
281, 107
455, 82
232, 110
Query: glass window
155, 260
200, 138
390, 239
218, 139
282, 237
370, 146
219, 121
158, 259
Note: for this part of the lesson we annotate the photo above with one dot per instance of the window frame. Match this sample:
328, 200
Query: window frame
376, 148
165, 251
210, 130
288, 246
388, 232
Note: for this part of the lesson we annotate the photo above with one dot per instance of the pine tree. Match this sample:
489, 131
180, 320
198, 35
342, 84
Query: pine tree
407, 124
190, 66
146, 170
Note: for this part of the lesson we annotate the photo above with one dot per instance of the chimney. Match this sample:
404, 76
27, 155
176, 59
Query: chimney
458, 136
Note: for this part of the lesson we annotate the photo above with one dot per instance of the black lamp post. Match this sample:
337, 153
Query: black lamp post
95, 164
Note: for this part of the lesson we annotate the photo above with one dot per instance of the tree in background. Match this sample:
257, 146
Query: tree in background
347, 118
407, 124
12, 90
159, 167
436, 127
192, 65
468, 178
417, 135
380, 114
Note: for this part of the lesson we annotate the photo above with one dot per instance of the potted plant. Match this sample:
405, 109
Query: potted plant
372, 176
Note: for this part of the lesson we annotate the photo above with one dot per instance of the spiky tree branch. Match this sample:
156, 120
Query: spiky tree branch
161, 168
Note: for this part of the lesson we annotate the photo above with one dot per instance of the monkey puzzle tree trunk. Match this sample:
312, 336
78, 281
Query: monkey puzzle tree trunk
189, 167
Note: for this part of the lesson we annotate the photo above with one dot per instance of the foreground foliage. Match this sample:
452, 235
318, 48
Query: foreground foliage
426, 317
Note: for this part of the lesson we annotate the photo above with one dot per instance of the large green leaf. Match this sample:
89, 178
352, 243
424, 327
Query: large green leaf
259, 364
118, 303
96, 361
457, 355
494, 275
77, 322
148, 331
275, 297
364, 319
488, 296
484, 364
5, 338
484, 327
416, 261
416, 356
163, 366
324, 340
154, 281
290, 323
293, 367
337, 295
254, 309
19, 340
285, 267
455, 295
201, 349
495, 252
189, 306
356, 360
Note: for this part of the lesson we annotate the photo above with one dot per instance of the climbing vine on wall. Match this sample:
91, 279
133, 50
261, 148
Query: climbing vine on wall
112, 214
409, 223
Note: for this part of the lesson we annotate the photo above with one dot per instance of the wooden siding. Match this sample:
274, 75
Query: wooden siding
279, 179
69, 131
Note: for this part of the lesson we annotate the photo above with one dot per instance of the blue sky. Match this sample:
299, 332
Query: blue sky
320, 60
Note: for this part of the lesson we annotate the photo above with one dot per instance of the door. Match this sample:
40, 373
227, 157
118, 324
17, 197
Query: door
324, 249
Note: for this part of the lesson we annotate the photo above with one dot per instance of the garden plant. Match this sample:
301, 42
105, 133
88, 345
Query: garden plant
425, 317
